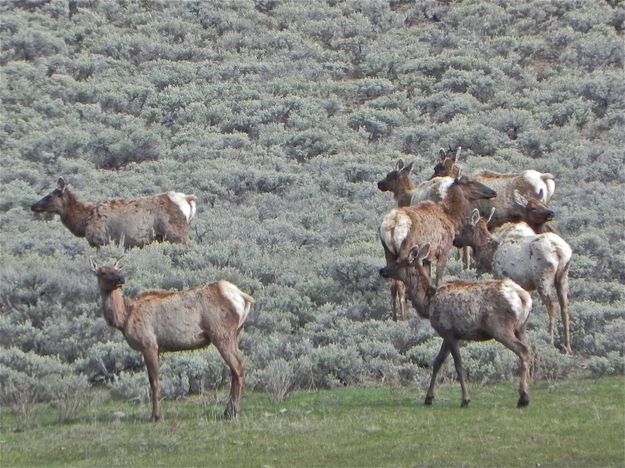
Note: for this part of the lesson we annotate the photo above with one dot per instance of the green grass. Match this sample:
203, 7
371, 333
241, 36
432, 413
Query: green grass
570, 423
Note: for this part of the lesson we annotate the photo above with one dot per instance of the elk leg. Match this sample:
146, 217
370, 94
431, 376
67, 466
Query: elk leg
562, 288
230, 352
545, 295
522, 350
150, 356
455, 352
440, 267
397, 291
438, 362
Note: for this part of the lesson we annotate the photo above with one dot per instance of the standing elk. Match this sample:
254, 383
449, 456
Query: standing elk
406, 193
471, 311
538, 262
133, 223
160, 321
434, 223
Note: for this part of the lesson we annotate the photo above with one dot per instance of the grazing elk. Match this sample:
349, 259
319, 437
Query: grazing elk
531, 184
160, 321
472, 311
434, 223
135, 223
538, 262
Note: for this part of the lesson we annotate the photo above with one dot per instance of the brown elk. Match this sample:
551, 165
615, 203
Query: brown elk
161, 321
538, 262
133, 223
533, 186
406, 193
471, 311
447, 166
434, 223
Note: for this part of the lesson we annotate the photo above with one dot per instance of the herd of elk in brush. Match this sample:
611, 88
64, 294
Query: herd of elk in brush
524, 252
447, 210
131, 223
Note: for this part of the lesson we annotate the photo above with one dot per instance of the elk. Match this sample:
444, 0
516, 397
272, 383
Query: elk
435, 223
538, 262
447, 166
531, 184
470, 311
133, 223
161, 321
406, 193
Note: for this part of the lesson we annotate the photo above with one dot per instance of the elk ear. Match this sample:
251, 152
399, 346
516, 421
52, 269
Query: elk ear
475, 216
541, 196
408, 168
442, 154
457, 155
61, 183
492, 212
520, 199
399, 165
417, 254
94, 266
118, 263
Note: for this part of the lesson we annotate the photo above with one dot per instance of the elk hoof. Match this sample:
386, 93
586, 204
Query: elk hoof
428, 400
523, 401
465, 403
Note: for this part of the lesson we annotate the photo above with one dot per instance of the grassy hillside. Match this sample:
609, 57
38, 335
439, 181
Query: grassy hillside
281, 119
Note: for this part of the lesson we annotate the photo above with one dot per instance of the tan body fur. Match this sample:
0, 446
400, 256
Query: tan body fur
161, 321
162, 217
472, 311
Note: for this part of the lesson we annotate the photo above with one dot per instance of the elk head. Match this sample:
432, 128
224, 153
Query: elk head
472, 189
398, 177
109, 277
536, 212
447, 166
55, 201
470, 231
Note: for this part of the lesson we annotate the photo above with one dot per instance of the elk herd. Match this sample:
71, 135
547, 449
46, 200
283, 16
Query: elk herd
501, 218
504, 219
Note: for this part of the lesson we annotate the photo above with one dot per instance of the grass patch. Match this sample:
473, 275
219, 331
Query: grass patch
571, 423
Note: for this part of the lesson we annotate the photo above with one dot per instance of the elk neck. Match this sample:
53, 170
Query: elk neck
114, 309
76, 215
419, 290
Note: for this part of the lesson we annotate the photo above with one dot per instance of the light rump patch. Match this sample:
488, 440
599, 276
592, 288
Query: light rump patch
540, 181
187, 206
394, 229
234, 295
519, 299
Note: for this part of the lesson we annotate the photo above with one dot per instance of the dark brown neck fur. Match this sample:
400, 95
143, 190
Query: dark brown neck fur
76, 214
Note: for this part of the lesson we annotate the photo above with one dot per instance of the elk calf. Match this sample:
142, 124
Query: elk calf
161, 321
472, 311
538, 262
135, 223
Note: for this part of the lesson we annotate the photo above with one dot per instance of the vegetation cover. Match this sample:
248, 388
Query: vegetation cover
281, 119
